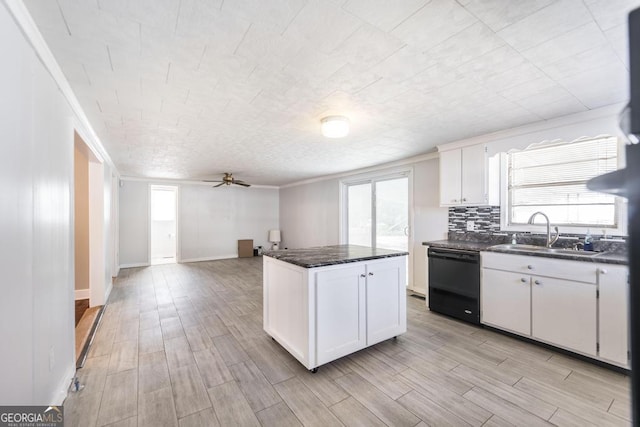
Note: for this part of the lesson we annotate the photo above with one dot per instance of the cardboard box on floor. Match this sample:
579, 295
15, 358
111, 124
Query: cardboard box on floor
245, 248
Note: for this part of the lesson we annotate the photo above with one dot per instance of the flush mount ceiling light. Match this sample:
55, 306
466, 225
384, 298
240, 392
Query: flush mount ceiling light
335, 126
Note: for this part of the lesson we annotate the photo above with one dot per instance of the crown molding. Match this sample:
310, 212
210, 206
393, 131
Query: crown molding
394, 164
27, 25
170, 181
608, 111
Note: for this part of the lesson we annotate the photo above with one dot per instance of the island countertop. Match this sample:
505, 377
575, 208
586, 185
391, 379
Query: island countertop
322, 256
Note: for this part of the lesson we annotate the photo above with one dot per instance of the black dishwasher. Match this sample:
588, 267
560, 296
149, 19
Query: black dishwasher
454, 283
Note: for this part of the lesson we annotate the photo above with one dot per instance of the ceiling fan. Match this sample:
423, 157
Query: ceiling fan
228, 179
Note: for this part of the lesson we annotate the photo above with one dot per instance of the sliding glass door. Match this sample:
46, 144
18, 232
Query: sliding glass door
376, 212
391, 212
359, 214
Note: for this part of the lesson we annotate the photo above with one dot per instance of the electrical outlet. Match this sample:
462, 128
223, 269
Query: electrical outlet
470, 226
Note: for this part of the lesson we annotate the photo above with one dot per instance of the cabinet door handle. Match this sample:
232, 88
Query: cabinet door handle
523, 280
603, 270
363, 275
370, 274
464, 200
530, 267
454, 200
537, 282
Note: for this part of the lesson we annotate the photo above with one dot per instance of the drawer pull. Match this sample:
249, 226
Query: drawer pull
530, 267
537, 282
603, 271
370, 274
363, 275
467, 311
523, 280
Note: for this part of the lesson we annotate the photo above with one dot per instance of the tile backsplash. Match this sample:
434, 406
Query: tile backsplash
486, 228
486, 219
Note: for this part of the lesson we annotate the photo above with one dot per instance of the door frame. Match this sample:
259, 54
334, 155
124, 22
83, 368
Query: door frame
372, 177
149, 191
98, 289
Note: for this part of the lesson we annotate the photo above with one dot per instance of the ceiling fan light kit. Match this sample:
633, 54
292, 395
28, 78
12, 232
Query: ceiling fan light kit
228, 179
335, 126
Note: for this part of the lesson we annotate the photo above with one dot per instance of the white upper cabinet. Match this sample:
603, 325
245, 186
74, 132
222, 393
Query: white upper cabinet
469, 177
451, 177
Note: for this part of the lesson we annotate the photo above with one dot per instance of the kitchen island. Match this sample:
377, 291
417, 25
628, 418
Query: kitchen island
326, 302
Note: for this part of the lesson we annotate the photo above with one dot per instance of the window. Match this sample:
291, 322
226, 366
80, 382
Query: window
552, 179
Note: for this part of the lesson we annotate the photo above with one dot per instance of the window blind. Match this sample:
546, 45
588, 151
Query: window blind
553, 179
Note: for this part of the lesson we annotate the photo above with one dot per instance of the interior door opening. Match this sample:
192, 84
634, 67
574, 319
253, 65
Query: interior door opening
163, 224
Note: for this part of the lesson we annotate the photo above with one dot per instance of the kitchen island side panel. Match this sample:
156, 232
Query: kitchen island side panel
286, 307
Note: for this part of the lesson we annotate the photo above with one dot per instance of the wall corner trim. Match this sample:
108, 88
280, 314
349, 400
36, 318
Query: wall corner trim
27, 25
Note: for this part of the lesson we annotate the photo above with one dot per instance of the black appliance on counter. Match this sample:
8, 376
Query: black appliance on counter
626, 183
454, 283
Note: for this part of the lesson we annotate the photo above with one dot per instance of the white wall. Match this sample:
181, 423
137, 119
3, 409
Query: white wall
109, 222
210, 220
39, 114
134, 223
431, 222
310, 214
36, 254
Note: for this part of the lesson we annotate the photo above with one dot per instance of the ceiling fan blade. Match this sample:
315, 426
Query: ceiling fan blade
216, 186
211, 180
244, 184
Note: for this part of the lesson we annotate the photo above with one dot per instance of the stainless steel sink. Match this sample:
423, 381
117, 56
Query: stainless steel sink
519, 247
571, 251
542, 249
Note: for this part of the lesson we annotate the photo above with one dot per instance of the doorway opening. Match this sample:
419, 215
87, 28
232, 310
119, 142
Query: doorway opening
89, 251
163, 224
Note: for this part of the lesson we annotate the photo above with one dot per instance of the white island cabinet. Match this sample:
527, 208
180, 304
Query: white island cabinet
324, 303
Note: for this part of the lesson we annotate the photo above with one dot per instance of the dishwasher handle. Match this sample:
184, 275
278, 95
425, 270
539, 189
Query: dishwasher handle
456, 255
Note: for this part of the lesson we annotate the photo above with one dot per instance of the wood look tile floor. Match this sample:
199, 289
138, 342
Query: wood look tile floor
183, 345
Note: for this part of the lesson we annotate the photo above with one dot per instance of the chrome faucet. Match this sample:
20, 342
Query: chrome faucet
549, 240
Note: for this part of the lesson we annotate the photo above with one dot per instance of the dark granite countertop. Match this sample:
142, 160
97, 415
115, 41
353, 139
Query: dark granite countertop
602, 257
322, 256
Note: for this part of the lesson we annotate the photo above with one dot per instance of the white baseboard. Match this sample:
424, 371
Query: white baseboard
82, 294
61, 391
212, 258
135, 264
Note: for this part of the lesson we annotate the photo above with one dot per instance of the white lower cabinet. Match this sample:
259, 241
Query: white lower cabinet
506, 304
613, 283
322, 314
578, 306
386, 301
341, 318
563, 313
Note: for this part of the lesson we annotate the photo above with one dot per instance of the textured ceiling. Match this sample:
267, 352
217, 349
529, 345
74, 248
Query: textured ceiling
191, 88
